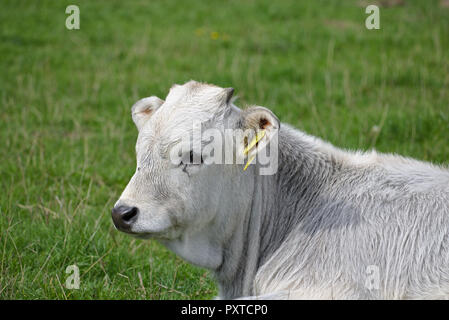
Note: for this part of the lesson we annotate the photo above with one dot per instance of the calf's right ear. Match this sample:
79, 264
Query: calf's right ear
143, 109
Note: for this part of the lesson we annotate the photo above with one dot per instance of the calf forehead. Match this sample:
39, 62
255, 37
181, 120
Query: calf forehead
192, 90
190, 99
185, 106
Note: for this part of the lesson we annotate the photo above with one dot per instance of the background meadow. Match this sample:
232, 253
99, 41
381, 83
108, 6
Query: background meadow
67, 139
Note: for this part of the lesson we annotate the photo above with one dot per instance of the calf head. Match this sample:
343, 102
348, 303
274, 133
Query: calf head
179, 188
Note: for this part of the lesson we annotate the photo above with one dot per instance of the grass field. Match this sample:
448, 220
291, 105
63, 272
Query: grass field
68, 140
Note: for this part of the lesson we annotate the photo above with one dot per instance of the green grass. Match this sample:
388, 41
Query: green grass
68, 139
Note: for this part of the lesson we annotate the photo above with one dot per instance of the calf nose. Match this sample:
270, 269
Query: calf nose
124, 216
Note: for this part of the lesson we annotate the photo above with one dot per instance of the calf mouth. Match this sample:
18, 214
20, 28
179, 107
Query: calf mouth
165, 234
126, 219
158, 235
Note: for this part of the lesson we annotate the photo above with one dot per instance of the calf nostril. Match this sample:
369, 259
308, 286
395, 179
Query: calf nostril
124, 216
129, 214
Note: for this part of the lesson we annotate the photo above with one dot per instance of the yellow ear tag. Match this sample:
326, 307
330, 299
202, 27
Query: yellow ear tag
249, 162
256, 139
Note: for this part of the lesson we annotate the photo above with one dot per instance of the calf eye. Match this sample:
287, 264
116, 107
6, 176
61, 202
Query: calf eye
190, 159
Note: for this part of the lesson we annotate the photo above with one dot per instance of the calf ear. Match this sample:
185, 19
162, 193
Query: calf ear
143, 109
260, 126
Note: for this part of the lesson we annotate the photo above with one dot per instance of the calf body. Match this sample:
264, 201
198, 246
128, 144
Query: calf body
328, 224
331, 222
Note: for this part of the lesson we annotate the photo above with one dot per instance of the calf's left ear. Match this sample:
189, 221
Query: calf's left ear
143, 109
262, 125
